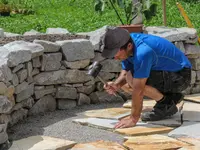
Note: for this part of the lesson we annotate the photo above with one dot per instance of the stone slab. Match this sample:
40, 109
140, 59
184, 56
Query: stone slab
109, 113
193, 98
153, 142
144, 129
188, 129
99, 145
193, 141
191, 112
42, 143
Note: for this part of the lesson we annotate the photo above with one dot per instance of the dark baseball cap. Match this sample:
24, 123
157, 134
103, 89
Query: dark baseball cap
114, 39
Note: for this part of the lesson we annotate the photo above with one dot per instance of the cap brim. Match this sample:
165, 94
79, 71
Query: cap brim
107, 53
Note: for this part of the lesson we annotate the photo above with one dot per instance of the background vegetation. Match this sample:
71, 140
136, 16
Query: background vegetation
79, 16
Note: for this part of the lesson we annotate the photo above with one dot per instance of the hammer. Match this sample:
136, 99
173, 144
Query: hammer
94, 70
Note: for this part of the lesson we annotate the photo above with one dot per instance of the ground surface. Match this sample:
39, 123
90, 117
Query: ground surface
59, 124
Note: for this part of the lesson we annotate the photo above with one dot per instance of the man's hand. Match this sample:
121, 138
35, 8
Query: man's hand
111, 87
127, 122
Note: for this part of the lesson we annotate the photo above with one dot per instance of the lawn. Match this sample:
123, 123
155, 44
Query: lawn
80, 16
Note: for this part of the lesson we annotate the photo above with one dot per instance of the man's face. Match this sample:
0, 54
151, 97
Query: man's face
123, 54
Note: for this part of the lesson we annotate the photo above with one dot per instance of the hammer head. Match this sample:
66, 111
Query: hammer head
94, 69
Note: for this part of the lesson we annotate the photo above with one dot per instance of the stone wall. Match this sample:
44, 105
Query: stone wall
49, 73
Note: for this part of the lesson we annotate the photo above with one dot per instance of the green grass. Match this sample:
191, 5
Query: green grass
80, 16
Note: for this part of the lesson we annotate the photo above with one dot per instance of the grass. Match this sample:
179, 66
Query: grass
80, 16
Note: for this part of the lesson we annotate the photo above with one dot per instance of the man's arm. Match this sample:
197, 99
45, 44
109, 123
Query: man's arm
137, 97
121, 80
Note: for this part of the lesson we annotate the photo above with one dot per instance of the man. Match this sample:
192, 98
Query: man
152, 67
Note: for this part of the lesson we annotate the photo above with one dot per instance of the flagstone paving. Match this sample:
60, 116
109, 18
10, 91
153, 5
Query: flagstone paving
193, 98
191, 111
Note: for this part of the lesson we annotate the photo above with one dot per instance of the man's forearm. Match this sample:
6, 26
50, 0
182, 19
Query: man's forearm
121, 80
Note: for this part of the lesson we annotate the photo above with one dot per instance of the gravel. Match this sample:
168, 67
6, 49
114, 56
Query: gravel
59, 124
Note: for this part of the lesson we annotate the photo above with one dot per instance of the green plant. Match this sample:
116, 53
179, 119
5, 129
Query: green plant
130, 8
4, 8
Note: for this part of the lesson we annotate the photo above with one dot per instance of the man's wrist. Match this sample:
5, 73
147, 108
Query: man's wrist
135, 118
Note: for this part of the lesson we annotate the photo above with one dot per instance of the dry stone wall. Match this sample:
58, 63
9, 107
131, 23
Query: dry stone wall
40, 73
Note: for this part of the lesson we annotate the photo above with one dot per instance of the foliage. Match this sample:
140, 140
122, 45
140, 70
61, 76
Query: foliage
80, 17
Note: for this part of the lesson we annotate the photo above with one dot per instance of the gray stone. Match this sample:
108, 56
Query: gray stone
188, 129
15, 80
46, 103
8, 34
48, 46
32, 32
193, 77
198, 75
61, 77
18, 67
35, 71
21, 87
1, 33
26, 93
66, 92
67, 85
43, 92
3, 88
39, 87
180, 46
77, 85
49, 86
29, 68
62, 67
77, 64
195, 63
192, 56
36, 62
195, 89
99, 86
105, 76
100, 97
56, 31
17, 116
30, 80
66, 104
188, 35
5, 118
78, 49
22, 75
3, 133
5, 104
96, 36
97, 57
111, 65
191, 49
86, 89
27, 103
5, 72
92, 82
51, 61
83, 99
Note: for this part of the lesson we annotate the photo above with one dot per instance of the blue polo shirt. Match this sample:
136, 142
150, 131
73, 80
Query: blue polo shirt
154, 53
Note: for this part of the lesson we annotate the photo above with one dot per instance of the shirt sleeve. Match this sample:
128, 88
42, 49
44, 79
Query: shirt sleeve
143, 65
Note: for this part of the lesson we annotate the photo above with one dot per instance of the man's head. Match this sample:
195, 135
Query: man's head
117, 43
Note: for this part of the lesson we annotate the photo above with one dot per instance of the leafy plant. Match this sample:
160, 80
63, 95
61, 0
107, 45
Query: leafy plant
130, 9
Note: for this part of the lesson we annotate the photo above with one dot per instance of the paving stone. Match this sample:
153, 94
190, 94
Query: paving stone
25, 93
18, 67
193, 141
42, 92
48, 46
66, 92
83, 99
98, 145
61, 77
36, 62
77, 49
22, 75
154, 142
51, 61
193, 98
66, 104
46, 103
191, 111
15, 80
187, 129
107, 124
42, 143
108, 113
144, 129
77, 64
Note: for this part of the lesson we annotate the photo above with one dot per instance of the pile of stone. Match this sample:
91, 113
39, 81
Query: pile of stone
42, 75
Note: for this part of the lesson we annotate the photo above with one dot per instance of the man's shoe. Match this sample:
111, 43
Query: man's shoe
159, 112
175, 97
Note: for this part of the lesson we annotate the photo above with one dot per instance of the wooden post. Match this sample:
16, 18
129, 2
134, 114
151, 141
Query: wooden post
164, 13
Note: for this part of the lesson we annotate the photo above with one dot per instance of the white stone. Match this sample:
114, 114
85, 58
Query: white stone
48, 46
57, 31
32, 32
1, 33
77, 49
